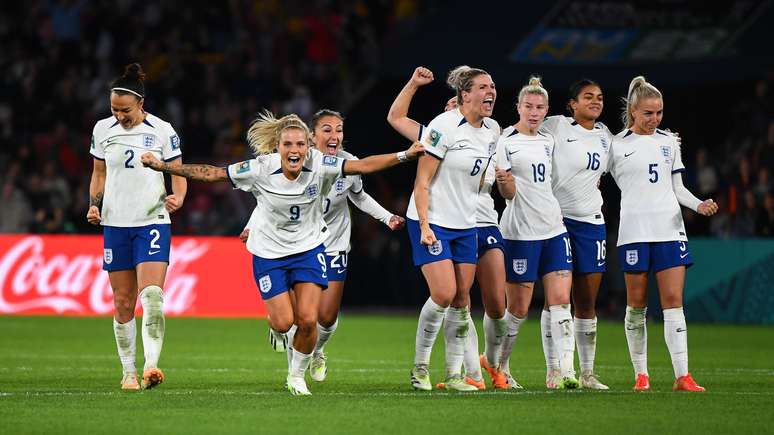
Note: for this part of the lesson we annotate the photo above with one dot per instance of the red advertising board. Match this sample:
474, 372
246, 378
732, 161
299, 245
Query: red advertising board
62, 274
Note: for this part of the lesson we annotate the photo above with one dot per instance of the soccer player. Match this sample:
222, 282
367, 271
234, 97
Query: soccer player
442, 219
490, 271
132, 205
647, 167
580, 156
288, 250
536, 241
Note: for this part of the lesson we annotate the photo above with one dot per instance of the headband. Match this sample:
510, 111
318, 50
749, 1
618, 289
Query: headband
128, 90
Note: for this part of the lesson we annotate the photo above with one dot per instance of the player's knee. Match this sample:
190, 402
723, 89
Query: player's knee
306, 322
152, 295
326, 320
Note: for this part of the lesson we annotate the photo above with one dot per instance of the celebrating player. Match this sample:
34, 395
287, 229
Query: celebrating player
536, 242
442, 219
490, 272
647, 166
132, 205
288, 251
580, 156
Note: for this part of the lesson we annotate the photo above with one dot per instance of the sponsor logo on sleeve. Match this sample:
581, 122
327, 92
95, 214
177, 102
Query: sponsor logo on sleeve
632, 257
434, 137
243, 167
330, 160
174, 142
520, 266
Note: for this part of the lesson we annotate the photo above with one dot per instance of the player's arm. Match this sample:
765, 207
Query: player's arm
506, 183
179, 189
426, 169
96, 192
397, 116
687, 199
197, 172
381, 162
367, 204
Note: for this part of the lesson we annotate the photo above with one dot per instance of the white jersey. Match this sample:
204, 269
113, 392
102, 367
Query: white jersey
464, 152
486, 214
580, 158
642, 166
336, 209
534, 213
289, 216
134, 195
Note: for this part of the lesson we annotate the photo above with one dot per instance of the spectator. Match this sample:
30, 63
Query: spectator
15, 214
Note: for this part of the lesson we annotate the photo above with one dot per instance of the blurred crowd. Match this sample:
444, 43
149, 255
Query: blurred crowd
212, 67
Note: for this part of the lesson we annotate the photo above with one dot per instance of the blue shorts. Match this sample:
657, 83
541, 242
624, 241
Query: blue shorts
489, 238
655, 256
274, 276
126, 247
588, 245
337, 266
459, 246
528, 260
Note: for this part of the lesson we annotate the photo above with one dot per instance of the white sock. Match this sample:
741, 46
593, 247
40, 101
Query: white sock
291, 334
456, 336
126, 342
323, 335
430, 319
676, 336
494, 331
512, 331
471, 362
637, 338
552, 360
563, 337
299, 363
586, 339
152, 299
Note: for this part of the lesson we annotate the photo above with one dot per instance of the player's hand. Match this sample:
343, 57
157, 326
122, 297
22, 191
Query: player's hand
244, 235
417, 149
396, 222
172, 203
502, 176
451, 104
427, 236
93, 216
150, 161
421, 76
708, 208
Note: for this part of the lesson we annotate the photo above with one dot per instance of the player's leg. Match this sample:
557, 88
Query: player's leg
327, 322
124, 284
280, 308
457, 327
490, 274
635, 263
553, 373
584, 296
557, 286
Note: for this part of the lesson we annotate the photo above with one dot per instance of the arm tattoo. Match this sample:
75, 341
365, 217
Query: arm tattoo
96, 200
196, 172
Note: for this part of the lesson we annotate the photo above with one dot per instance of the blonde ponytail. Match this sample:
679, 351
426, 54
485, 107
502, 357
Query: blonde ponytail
264, 133
639, 89
535, 87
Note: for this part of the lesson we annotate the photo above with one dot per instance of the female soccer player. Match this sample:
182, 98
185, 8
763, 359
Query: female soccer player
288, 251
132, 205
328, 136
536, 241
580, 157
647, 166
442, 219
490, 271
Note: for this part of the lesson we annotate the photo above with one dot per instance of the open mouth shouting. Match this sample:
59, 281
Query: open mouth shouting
331, 148
488, 104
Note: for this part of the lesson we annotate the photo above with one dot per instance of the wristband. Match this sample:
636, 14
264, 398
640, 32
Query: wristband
402, 157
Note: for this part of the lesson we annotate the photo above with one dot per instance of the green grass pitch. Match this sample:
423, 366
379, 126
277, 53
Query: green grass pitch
61, 375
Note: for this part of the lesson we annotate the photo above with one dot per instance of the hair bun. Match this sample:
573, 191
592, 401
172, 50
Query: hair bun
134, 71
534, 81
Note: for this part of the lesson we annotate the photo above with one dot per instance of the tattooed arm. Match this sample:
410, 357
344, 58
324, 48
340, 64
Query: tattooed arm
197, 172
96, 192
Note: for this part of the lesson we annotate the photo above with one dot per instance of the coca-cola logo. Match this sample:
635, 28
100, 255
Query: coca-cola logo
32, 279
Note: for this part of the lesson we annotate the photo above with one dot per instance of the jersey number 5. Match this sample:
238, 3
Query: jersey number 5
652, 171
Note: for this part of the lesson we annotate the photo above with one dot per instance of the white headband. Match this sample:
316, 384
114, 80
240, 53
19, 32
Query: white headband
127, 90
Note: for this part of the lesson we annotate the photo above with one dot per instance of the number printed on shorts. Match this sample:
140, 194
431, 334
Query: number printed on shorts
156, 235
339, 262
567, 247
601, 250
321, 259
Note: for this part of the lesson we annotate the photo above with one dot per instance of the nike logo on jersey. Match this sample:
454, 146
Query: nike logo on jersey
628, 154
684, 255
571, 140
514, 152
153, 252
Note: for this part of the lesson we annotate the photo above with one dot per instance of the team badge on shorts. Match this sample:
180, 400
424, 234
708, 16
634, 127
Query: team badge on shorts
632, 257
108, 257
520, 266
312, 190
436, 248
148, 140
264, 283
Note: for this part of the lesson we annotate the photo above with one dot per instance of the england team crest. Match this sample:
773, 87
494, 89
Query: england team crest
436, 248
492, 148
264, 283
603, 142
632, 257
520, 266
312, 190
108, 257
339, 186
548, 150
148, 140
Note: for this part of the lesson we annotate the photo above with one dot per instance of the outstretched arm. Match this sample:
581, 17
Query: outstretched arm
381, 162
196, 172
368, 204
398, 114
687, 199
